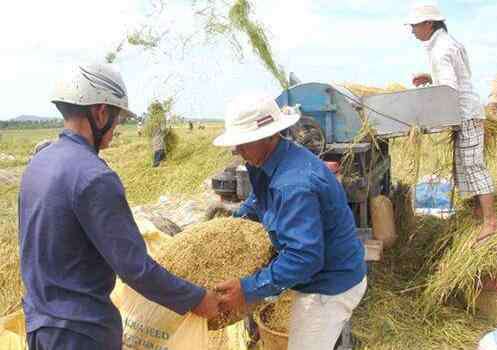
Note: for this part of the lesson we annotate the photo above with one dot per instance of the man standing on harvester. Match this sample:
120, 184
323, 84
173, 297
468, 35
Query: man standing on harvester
450, 66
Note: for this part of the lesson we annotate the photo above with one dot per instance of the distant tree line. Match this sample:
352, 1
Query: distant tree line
40, 124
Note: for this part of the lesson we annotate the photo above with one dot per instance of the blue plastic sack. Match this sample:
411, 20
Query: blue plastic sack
433, 196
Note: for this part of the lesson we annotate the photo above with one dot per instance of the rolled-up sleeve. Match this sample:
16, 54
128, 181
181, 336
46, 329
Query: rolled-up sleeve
299, 231
105, 216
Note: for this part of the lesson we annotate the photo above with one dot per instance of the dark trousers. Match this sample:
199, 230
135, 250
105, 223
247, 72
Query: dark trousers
49, 338
158, 156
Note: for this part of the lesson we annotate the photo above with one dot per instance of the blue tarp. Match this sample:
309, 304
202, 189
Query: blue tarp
433, 195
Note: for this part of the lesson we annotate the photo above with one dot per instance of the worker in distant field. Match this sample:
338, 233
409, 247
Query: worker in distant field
190, 126
305, 211
139, 128
450, 66
158, 146
77, 230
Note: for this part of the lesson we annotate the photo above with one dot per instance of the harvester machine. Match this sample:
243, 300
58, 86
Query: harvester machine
332, 126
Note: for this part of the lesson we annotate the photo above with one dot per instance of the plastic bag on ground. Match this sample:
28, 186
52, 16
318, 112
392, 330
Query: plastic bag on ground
432, 196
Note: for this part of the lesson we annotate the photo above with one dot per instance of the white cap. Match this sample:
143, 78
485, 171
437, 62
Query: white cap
424, 12
87, 85
250, 119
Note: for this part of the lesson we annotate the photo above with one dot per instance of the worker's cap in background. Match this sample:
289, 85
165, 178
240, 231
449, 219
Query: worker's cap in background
92, 84
253, 118
422, 12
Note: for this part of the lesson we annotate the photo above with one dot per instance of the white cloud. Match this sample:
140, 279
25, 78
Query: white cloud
64, 25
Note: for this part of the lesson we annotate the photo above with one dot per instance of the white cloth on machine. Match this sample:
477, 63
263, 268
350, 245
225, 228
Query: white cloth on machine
317, 320
450, 66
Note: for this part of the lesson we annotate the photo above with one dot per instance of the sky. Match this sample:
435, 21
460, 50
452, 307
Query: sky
362, 41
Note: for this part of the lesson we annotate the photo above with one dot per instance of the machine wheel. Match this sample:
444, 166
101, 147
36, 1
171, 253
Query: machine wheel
308, 133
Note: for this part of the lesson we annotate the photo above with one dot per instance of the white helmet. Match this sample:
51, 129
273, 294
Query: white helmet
93, 84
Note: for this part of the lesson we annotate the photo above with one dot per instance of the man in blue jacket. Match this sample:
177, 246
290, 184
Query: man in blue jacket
305, 211
76, 230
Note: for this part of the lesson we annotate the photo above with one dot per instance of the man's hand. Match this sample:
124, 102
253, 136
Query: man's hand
231, 295
208, 307
422, 79
218, 210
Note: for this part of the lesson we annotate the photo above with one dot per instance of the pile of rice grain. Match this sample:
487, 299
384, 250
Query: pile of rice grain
216, 251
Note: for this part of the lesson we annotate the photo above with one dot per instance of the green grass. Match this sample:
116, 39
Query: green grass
20, 144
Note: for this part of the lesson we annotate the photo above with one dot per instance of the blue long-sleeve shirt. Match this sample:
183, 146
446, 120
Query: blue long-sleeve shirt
76, 233
305, 211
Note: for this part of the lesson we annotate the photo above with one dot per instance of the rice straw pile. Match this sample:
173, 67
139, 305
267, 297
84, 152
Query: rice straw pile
392, 315
490, 132
390, 318
458, 267
215, 251
11, 288
401, 198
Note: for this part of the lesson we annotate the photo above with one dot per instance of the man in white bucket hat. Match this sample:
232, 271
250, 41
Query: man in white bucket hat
77, 231
305, 211
450, 66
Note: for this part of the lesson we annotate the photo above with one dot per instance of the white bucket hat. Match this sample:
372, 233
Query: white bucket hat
250, 119
86, 85
424, 12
